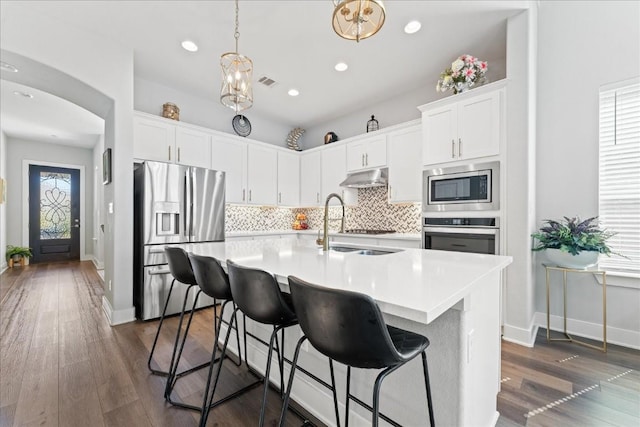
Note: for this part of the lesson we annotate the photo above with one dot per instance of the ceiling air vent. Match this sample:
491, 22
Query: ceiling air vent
268, 82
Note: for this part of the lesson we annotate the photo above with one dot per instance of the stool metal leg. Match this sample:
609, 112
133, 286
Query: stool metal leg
346, 404
274, 335
432, 421
376, 392
155, 340
294, 364
335, 393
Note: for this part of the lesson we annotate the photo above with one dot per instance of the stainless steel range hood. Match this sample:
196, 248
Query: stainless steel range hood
366, 179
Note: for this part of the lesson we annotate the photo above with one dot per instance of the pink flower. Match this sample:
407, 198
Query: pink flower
470, 59
469, 72
483, 66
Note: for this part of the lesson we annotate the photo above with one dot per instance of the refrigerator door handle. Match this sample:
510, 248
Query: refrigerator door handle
187, 205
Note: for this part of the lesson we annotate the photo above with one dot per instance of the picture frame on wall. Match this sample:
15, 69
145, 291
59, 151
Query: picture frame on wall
106, 166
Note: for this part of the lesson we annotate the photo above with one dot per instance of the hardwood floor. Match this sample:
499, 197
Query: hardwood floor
62, 364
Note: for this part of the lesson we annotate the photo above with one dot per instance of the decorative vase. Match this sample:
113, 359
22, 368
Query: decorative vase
460, 87
581, 261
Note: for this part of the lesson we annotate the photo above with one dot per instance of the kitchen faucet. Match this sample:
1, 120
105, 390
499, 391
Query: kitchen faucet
325, 240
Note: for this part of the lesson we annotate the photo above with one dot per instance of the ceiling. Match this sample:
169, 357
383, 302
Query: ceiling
289, 41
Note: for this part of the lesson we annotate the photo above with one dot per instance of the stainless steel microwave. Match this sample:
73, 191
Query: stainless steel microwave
473, 187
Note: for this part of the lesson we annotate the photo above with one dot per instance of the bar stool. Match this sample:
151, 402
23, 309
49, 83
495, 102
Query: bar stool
213, 281
257, 294
180, 269
348, 327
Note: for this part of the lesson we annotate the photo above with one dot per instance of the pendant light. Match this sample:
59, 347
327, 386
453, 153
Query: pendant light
237, 69
357, 19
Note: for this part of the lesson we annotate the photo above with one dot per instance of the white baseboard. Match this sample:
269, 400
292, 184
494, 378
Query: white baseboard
618, 336
98, 264
521, 336
117, 317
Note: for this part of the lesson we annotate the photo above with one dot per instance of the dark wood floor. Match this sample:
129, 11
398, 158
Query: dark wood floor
62, 364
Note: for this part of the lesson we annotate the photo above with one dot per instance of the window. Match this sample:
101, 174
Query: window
619, 195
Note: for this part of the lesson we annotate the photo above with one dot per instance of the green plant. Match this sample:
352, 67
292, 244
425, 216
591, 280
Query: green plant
18, 250
573, 236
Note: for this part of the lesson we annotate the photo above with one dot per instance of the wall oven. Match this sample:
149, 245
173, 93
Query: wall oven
476, 235
472, 187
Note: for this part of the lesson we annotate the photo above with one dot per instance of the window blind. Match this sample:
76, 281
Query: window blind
619, 193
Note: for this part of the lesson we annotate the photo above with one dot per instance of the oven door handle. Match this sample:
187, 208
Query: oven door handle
461, 230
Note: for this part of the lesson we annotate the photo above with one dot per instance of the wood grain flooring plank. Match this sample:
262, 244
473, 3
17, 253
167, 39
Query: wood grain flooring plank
38, 401
131, 414
78, 396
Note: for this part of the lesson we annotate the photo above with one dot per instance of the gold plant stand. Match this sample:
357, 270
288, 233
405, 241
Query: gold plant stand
568, 337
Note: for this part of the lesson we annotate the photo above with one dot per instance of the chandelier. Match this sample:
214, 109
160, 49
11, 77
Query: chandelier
357, 19
237, 69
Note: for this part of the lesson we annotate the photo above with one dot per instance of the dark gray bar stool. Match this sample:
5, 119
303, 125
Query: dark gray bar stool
213, 282
257, 294
180, 269
348, 327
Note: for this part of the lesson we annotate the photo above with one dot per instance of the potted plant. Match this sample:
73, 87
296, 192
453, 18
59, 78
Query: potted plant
16, 253
573, 243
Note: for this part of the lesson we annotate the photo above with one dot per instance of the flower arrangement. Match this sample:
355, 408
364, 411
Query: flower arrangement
573, 236
465, 72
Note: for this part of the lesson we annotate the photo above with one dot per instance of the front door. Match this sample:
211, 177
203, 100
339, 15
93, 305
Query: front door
54, 213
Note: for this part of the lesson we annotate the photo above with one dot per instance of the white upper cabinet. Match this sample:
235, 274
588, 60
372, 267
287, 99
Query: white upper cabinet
193, 147
231, 157
405, 165
262, 175
334, 171
462, 127
367, 153
153, 139
288, 179
310, 178
160, 140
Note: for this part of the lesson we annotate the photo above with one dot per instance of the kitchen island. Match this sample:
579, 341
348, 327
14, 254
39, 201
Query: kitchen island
452, 298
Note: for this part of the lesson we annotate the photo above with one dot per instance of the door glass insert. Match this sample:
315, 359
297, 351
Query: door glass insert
55, 205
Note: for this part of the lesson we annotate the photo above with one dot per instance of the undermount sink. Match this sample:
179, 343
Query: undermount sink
361, 251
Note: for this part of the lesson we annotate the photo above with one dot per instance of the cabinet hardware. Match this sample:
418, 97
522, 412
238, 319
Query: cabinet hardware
366, 159
459, 147
249, 195
318, 197
279, 197
178, 153
390, 194
169, 153
243, 194
453, 149
363, 160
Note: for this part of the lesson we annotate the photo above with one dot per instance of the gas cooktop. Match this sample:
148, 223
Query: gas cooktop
365, 231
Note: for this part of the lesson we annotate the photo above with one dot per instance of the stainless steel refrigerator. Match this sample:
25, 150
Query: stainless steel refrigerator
174, 205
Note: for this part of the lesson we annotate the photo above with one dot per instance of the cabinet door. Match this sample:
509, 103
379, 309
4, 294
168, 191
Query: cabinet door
262, 175
439, 135
479, 126
310, 179
231, 157
334, 171
355, 156
288, 179
375, 155
193, 148
153, 140
405, 166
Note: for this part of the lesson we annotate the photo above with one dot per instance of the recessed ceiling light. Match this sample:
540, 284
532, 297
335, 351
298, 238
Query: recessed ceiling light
190, 46
341, 66
412, 27
293, 92
4, 66
25, 94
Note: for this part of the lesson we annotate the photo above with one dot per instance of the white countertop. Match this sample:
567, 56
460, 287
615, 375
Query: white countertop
400, 236
415, 284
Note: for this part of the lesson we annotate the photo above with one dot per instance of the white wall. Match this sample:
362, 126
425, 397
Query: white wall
392, 111
106, 67
3, 206
601, 45
150, 96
